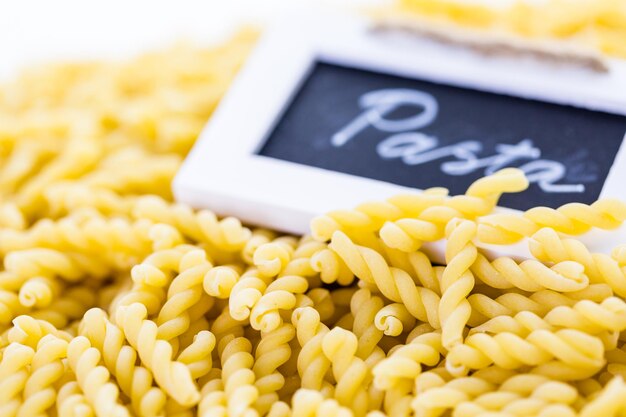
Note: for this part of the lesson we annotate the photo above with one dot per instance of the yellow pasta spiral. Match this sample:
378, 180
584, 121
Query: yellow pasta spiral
331, 267
457, 281
240, 391
14, 372
47, 369
371, 216
94, 379
220, 280
405, 363
65, 197
120, 359
548, 246
585, 315
540, 302
224, 235
546, 349
351, 373
393, 283
271, 353
271, 258
186, 300
530, 275
407, 234
364, 308
279, 295
157, 355
435, 401
572, 219
311, 403
118, 240
72, 402
312, 363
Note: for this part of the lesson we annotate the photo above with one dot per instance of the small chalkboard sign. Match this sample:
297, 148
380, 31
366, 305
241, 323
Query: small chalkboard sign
422, 134
320, 120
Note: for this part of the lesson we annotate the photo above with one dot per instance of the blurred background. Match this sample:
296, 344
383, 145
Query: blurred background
33, 31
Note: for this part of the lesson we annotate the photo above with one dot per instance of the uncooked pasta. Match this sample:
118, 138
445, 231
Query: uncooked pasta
117, 301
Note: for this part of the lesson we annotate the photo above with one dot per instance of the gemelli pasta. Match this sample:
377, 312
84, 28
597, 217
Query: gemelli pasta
116, 301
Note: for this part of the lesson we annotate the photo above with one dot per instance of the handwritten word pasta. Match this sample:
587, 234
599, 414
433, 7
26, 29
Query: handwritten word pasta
116, 301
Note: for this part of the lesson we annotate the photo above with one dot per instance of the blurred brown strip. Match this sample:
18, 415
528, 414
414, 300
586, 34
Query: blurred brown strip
482, 44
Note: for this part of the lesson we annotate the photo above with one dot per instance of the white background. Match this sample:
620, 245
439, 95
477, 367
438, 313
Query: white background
32, 31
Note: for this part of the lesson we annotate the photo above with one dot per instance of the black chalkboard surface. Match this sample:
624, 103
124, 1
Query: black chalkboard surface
422, 134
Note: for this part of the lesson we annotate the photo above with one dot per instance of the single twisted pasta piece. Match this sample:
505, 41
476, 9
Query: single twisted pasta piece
369, 217
47, 368
51, 263
309, 403
447, 396
540, 302
72, 402
351, 373
393, 319
203, 226
213, 402
279, 295
585, 315
157, 269
120, 359
225, 327
93, 379
571, 219
258, 237
365, 307
407, 234
393, 283
483, 194
530, 275
457, 281
331, 267
184, 293
16, 359
29, 331
246, 293
197, 356
172, 376
547, 246
39, 292
64, 197
151, 276
219, 281
241, 392
271, 258
541, 348
520, 395
118, 240
405, 363
300, 263
312, 363
271, 353
420, 267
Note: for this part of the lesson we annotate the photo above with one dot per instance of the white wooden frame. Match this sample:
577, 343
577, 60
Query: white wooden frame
224, 173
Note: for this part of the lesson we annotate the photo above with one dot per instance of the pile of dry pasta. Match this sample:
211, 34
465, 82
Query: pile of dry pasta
595, 24
114, 301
